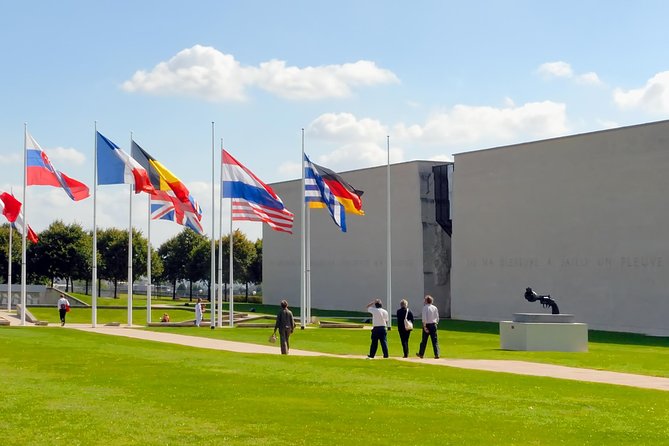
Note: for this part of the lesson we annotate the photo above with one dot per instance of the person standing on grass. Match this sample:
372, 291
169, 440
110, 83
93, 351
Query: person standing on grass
285, 324
430, 319
198, 312
63, 305
403, 313
379, 324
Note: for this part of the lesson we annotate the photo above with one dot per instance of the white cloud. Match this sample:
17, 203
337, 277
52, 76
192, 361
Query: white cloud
653, 97
467, 125
589, 78
560, 69
206, 73
66, 156
290, 169
362, 142
555, 69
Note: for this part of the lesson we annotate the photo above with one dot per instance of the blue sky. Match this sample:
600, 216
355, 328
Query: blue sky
438, 77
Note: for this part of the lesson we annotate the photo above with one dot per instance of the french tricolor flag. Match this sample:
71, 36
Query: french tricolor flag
252, 200
117, 167
40, 172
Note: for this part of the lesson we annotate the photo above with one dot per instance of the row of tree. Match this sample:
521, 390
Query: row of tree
65, 251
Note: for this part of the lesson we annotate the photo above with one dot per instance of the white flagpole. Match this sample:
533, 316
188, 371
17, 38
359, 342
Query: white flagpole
232, 276
25, 226
389, 244
9, 271
94, 313
307, 283
220, 245
212, 279
148, 263
303, 260
130, 251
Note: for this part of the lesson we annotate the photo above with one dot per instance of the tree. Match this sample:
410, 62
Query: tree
62, 252
255, 269
113, 249
183, 259
244, 254
16, 254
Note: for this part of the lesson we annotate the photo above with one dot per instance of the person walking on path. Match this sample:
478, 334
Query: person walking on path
403, 313
63, 306
285, 324
198, 312
379, 324
430, 319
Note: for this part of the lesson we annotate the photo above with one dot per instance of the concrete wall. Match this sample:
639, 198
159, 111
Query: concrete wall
349, 269
584, 218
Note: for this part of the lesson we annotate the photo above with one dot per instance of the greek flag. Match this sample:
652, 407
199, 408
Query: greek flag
317, 191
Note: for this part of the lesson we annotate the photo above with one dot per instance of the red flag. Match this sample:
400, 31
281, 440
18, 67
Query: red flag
11, 207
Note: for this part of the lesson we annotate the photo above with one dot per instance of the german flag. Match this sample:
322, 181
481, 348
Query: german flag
347, 195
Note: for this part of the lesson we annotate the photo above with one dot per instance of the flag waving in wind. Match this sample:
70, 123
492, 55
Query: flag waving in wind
316, 190
11, 208
252, 200
117, 167
164, 180
40, 172
346, 194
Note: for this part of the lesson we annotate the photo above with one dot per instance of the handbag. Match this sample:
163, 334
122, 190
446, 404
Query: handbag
272, 339
408, 325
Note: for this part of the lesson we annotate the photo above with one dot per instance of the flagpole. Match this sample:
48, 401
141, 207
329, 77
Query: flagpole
130, 250
307, 260
220, 246
94, 313
9, 271
232, 276
212, 279
25, 226
148, 263
388, 240
303, 264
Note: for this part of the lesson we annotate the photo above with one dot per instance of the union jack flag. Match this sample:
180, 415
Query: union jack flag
166, 206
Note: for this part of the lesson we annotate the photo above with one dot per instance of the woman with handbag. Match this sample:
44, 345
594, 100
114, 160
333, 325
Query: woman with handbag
285, 324
404, 325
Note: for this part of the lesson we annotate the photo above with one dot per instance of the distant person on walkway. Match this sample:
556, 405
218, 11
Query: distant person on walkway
63, 306
198, 312
403, 313
430, 318
379, 324
285, 324
165, 318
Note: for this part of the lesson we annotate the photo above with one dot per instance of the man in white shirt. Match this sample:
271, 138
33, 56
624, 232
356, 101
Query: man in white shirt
379, 324
62, 305
430, 317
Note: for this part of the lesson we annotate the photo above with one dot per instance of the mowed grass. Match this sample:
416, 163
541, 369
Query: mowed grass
64, 387
470, 340
621, 352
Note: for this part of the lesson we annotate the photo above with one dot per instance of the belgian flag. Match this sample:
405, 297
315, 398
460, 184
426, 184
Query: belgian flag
347, 195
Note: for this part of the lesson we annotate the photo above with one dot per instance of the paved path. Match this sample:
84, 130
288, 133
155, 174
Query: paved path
516, 367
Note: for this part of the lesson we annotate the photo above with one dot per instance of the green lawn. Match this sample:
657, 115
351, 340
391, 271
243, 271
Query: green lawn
473, 340
64, 387
622, 352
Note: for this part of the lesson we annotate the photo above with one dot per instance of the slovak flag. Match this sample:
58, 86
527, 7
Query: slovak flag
252, 200
117, 167
40, 172
11, 208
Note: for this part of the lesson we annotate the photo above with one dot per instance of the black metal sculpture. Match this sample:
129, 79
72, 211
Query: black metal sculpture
544, 300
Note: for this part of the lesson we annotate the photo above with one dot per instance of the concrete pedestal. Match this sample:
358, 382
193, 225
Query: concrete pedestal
546, 335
